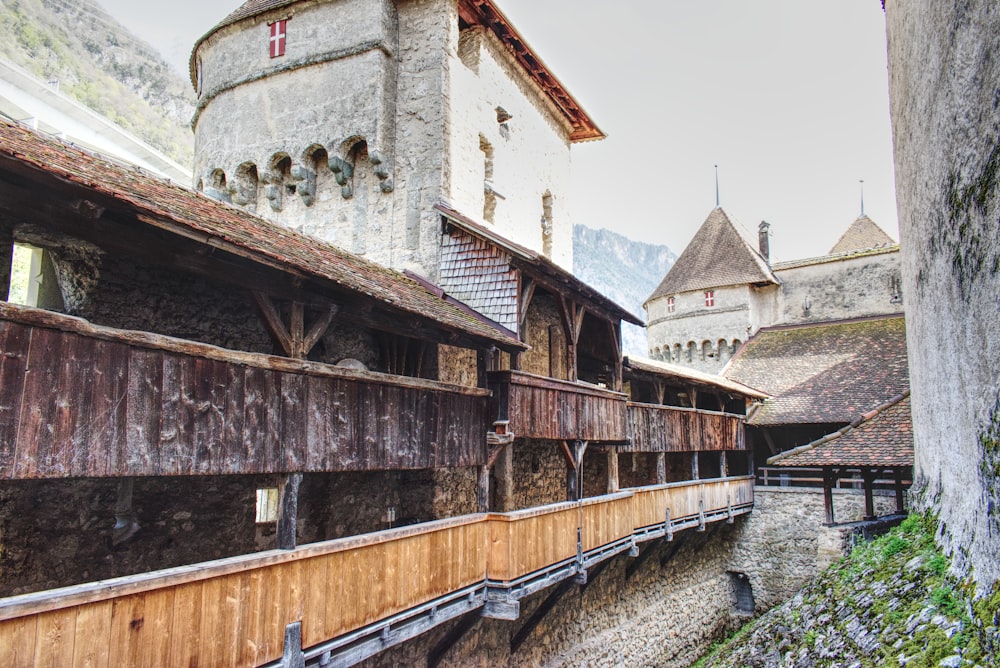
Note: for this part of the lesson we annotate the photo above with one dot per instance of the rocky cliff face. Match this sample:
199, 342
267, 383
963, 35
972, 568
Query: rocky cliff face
624, 270
101, 64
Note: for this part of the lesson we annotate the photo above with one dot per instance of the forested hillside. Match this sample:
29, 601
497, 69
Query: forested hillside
101, 64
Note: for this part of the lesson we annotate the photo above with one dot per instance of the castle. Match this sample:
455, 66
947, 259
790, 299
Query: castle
723, 289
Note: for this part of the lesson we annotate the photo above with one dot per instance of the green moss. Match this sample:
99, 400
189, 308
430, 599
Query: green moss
972, 237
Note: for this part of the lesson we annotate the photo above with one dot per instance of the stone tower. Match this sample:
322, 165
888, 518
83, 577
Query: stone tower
351, 119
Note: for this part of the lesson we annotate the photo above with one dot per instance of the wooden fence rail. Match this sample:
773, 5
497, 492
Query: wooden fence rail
655, 428
81, 400
546, 408
233, 612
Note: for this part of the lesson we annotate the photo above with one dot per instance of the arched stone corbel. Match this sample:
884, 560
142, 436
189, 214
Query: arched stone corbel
342, 172
305, 180
272, 190
382, 169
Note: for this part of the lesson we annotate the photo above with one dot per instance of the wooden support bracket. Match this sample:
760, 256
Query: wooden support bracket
292, 656
701, 514
668, 529
294, 339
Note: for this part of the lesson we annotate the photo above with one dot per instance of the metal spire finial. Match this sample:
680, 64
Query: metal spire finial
862, 182
716, 186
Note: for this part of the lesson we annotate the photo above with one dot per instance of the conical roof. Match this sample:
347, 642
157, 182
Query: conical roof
718, 255
863, 234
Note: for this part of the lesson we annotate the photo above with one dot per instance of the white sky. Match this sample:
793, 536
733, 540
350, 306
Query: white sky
788, 97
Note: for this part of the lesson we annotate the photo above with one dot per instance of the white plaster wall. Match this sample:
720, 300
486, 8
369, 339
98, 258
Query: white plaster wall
943, 73
848, 288
692, 321
533, 158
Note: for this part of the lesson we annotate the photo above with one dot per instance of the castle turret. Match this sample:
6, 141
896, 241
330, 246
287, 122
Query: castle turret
351, 120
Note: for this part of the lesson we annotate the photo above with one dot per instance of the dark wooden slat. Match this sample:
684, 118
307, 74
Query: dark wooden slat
140, 453
34, 450
14, 341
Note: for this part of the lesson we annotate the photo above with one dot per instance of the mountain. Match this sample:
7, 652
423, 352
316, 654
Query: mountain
101, 64
602, 257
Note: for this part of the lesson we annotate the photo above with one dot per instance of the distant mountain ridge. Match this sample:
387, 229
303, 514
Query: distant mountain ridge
98, 62
622, 269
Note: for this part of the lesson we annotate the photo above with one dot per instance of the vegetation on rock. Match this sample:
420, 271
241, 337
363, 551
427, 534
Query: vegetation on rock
891, 602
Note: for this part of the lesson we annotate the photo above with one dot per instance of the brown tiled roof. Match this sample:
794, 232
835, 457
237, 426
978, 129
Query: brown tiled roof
823, 373
880, 437
476, 12
212, 222
537, 264
862, 235
717, 256
778, 267
689, 376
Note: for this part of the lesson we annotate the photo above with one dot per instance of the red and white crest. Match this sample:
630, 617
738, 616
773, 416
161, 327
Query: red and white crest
277, 40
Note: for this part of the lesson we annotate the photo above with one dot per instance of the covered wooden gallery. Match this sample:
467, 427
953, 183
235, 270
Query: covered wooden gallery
875, 449
560, 401
211, 382
683, 424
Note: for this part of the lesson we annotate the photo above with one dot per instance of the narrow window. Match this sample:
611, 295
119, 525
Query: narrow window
267, 505
709, 297
33, 279
671, 305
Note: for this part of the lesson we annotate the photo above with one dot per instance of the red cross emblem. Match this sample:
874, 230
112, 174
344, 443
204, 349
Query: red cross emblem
277, 40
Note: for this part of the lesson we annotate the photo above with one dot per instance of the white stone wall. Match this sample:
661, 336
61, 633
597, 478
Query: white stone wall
531, 154
387, 73
847, 288
699, 336
943, 74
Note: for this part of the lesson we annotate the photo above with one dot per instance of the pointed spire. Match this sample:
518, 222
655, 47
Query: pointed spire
717, 205
862, 182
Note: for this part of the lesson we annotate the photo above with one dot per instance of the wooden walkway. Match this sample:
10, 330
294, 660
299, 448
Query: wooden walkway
346, 599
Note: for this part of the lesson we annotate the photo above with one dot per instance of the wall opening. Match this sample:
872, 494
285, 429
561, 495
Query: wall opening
267, 505
33, 279
743, 601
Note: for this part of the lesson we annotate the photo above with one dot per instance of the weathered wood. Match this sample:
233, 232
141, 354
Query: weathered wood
288, 510
504, 474
612, 455
898, 487
79, 400
868, 476
546, 408
829, 480
661, 468
6, 258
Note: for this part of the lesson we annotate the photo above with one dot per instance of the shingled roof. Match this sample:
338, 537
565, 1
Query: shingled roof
823, 373
863, 234
881, 437
717, 256
165, 205
476, 12
682, 375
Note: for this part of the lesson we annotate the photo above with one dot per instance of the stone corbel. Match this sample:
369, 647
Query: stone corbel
342, 172
272, 190
305, 179
382, 169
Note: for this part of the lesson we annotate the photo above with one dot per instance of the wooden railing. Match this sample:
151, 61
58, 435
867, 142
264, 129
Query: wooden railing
847, 478
234, 612
655, 428
546, 408
78, 399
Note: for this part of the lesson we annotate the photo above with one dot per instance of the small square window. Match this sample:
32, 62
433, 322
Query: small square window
671, 305
267, 505
709, 297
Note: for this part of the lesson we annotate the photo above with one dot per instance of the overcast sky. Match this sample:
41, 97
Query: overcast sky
788, 97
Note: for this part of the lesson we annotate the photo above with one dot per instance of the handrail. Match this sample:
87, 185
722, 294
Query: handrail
685, 409
243, 604
545, 382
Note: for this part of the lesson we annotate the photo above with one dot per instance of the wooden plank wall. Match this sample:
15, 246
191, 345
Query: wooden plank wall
75, 404
546, 408
654, 428
233, 612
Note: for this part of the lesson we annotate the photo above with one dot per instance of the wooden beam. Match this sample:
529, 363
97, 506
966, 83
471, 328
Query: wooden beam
661, 468
828, 482
574, 468
6, 257
273, 320
451, 638
288, 510
660, 390
503, 471
538, 615
695, 474
898, 480
527, 294
770, 441
868, 476
612, 455
723, 465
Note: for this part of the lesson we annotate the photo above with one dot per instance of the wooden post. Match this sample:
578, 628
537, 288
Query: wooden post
661, 468
573, 452
6, 257
288, 509
503, 470
612, 470
828, 482
483, 489
900, 506
694, 466
723, 465
868, 475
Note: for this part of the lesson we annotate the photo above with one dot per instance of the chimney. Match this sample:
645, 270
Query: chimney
762, 243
